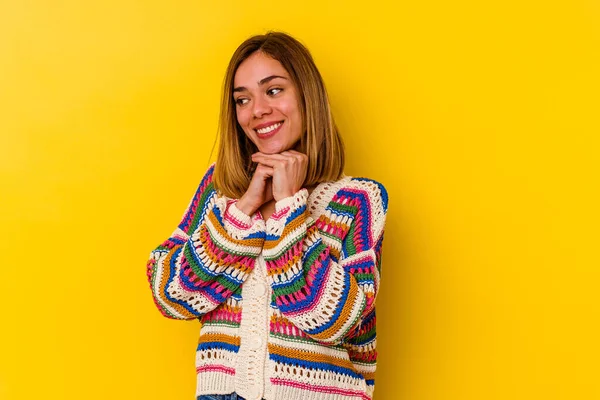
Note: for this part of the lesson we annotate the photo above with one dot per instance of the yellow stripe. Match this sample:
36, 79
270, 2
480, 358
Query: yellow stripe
219, 337
163, 283
310, 356
204, 238
283, 268
255, 242
344, 315
291, 226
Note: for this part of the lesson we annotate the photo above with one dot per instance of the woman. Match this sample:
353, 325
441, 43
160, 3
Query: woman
278, 253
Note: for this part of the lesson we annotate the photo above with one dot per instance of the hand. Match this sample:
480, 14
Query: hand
289, 171
259, 191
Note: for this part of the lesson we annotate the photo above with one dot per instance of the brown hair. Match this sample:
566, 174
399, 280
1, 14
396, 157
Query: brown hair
321, 141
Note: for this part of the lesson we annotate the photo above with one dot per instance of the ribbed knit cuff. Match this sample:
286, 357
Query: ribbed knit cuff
238, 224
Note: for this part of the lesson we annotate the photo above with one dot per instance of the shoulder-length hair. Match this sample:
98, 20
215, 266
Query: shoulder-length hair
321, 140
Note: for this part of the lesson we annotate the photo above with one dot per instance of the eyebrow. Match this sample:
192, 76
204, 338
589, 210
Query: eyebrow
260, 83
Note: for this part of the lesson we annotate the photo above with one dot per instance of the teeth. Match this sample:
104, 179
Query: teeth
269, 128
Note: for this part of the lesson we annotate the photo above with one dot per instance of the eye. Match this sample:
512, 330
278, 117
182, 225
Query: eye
277, 90
240, 101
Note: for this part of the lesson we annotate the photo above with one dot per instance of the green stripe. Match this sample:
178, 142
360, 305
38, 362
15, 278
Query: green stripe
284, 250
208, 191
350, 249
297, 285
343, 208
363, 277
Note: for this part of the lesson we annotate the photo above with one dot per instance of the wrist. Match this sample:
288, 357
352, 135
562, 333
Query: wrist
244, 207
295, 199
281, 196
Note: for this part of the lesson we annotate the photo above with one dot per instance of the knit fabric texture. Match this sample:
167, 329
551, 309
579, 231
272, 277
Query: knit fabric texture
287, 305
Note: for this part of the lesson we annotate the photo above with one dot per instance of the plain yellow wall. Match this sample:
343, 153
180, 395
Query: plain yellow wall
481, 118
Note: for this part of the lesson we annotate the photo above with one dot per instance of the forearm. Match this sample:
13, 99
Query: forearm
311, 288
190, 276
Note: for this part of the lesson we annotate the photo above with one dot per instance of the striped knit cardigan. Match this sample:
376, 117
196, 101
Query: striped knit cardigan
321, 257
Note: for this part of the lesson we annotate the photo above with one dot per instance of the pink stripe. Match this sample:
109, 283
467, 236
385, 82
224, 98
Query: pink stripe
202, 292
216, 368
232, 220
319, 388
235, 222
277, 215
319, 286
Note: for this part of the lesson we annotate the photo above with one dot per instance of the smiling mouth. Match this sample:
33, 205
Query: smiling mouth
269, 129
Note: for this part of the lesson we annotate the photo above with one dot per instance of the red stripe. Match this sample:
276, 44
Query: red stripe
216, 368
320, 388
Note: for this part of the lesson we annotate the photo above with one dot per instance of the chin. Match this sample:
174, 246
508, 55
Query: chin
273, 149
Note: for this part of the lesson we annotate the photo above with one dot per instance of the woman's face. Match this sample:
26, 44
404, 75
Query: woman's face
266, 104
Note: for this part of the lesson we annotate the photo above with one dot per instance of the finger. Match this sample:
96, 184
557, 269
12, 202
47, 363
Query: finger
264, 170
259, 153
274, 158
295, 154
256, 157
269, 162
292, 152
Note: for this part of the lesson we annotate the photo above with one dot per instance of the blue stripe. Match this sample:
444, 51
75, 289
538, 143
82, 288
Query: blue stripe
369, 264
189, 216
341, 213
177, 240
310, 299
382, 189
306, 254
171, 276
206, 288
256, 235
338, 310
217, 212
295, 213
271, 237
217, 345
365, 281
206, 269
292, 281
291, 217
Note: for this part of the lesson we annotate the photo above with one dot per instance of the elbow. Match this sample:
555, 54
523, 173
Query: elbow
158, 281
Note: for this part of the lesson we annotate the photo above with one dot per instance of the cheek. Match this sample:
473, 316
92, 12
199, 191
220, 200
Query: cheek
291, 108
242, 118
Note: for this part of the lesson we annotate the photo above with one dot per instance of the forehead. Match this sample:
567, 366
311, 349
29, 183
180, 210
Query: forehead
257, 67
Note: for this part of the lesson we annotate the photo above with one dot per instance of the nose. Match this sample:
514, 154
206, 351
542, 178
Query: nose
261, 107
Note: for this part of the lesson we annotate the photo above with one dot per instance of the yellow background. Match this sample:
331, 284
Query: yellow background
481, 118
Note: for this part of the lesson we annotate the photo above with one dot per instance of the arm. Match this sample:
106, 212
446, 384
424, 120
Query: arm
207, 257
324, 297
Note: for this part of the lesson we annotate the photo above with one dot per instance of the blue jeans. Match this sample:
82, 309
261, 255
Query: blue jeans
232, 396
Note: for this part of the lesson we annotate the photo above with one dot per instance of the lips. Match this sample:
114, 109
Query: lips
268, 129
